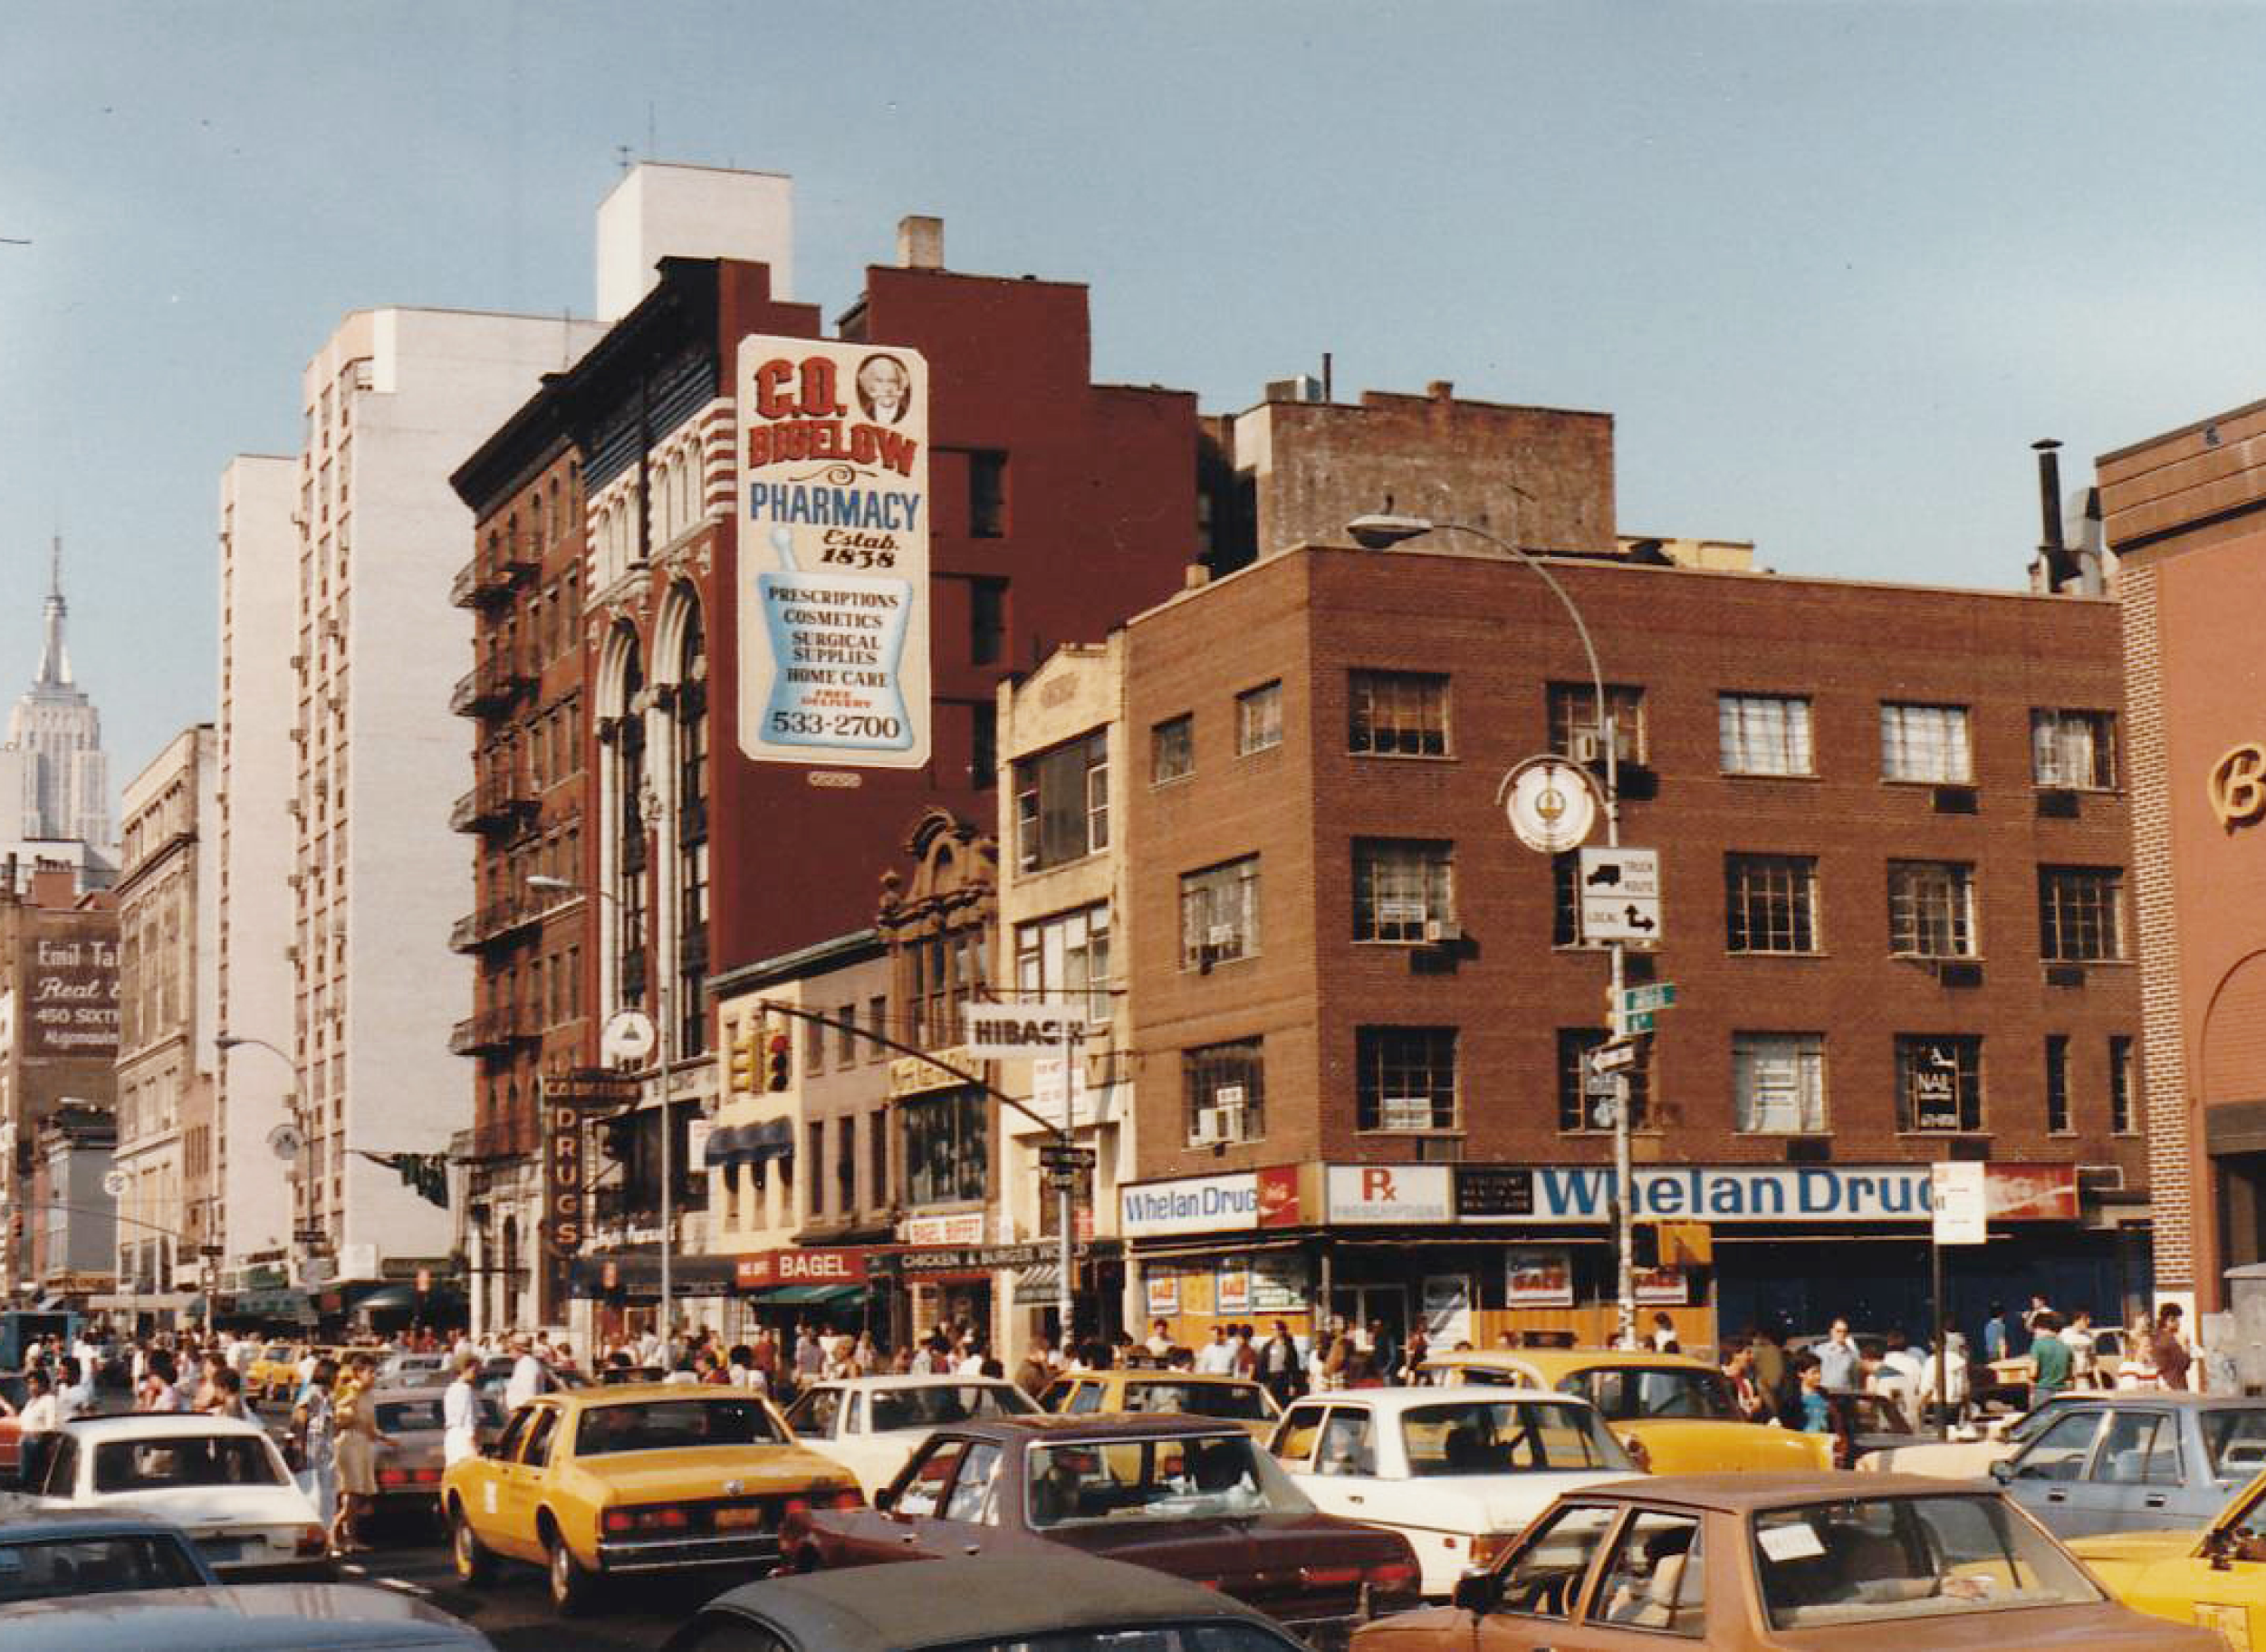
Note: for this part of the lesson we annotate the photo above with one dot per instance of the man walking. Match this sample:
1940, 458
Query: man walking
2049, 1357
1839, 1362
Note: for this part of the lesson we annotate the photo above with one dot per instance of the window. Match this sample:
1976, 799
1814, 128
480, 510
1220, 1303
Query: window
1397, 714
1565, 899
1925, 743
1770, 903
1405, 1077
1777, 1083
1064, 955
1931, 909
947, 1147
1655, 1580
813, 1047
1573, 717
845, 1034
987, 494
1219, 914
2142, 1447
1172, 749
1226, 1090
814, 1169
2120, 1085
2058, 1083
1545, 1579
983, 746
878, 1021
1939, 1082
987, 621
1579, 1113
845, 1166
2077, 749
1062, 803
1400, 884
2061, 1451
2077, 914
1764, 733
1258, 719
878, 1156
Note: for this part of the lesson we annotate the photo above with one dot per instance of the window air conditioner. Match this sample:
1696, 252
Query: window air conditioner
1229, 1117
1441, 931
1206, 1133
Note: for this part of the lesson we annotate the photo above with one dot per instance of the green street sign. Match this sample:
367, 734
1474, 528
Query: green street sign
1636, 999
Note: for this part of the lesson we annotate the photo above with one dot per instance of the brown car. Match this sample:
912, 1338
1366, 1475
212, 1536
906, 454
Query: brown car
1808, 1562
1180, 1495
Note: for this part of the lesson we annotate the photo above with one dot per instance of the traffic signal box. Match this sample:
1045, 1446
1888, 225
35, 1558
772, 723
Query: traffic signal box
746, 1052
778, 1058
1671, 1244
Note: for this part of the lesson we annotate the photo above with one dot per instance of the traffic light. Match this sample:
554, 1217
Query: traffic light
1644, 1242
745, 1052
778, 1058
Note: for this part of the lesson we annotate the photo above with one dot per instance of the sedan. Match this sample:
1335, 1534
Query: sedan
2136, 1461
870, 1425
253, 1618
1061, 1602
1194, 1498
1759, 1561
1460, 1472
44, 1555
411, 1476
222, 1480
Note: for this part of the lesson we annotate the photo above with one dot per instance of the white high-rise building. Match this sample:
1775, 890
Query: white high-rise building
54, 768
393, 403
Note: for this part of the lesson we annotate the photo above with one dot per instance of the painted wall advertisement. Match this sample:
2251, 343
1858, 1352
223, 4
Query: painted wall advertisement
71, 999
833, 553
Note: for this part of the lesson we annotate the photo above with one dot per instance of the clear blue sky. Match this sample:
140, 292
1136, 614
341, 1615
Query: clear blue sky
1832, 266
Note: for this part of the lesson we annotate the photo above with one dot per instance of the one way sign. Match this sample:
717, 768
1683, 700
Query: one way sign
1620, 894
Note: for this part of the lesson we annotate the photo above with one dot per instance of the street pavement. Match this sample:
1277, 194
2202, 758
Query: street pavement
515, 1610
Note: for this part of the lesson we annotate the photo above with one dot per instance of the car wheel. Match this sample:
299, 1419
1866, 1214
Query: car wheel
574, 1591
475, 1565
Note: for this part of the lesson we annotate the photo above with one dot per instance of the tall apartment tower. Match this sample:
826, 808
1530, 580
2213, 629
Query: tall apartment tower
391, 402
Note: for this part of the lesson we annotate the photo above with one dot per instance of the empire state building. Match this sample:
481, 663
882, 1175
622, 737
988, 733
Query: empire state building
54, 764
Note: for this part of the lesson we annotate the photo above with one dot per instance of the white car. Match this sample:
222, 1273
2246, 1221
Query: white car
221, 1481
1459, 1472
412, 1370
869, 1424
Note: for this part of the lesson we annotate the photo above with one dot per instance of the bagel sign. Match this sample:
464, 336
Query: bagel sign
1017, 1032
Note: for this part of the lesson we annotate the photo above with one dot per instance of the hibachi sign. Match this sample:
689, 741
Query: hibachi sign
833, 553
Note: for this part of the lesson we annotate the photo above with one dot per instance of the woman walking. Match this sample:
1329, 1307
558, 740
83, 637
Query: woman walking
357, 1446
313, 1440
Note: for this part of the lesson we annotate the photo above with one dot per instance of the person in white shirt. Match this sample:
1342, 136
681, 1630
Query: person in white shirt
1898, 1375
1954, 1385
2084, 1357
460, 1412
1217, 1357
74, 1395
526, 1380
39, 1422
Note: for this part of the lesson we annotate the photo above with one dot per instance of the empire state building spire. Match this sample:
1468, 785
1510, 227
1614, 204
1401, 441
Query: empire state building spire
54, 660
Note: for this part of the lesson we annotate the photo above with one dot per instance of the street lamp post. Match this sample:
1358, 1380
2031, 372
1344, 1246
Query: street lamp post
1379, 532
224, 1041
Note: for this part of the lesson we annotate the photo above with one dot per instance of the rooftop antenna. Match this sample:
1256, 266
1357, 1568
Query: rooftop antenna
622, 153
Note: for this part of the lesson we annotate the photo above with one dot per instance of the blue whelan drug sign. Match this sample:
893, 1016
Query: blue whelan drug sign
833, 553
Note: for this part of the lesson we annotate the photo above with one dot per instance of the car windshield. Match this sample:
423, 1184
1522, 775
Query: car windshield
277, 1351
1178, 1477
1227, 1400
1876, 1559
932, 1407
1636, 1394
667, 1425
36, 1568
2235, 1441
1507, 1436
192, 1459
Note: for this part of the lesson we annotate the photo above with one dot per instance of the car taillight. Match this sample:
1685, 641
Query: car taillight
795, 1505
426, 1476
393, 1476
1486, 1545
847, 1498
312, 1540
1389, 1576
666, 1518
1328, 1577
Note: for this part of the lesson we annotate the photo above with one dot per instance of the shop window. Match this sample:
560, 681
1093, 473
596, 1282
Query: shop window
1226, 1086
1062, 803
1928, 744
1219, 914
1573, 721
2120, 1119
1258, 719
1581, 1114
1397, 714
947, 1149
1764, 734
1778, 1083
1172, 750
1770, 903
1405, 1077
2058, 1083
1931, 909
1401, 888
2077, 914
1939, 1082
2075, 750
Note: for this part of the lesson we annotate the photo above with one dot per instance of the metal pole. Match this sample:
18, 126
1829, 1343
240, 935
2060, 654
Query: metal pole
661, 815
1066, 1195
1942, 1340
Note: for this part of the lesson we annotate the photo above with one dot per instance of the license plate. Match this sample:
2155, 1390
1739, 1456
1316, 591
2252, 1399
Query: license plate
728, 1519
221, 1550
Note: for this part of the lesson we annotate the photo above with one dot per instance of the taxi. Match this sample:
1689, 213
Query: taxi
1676, 1414
595, 1483
2215, 1576
274, 1373
1152, 1391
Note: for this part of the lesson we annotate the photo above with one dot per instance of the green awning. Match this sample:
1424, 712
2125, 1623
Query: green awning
797, 1295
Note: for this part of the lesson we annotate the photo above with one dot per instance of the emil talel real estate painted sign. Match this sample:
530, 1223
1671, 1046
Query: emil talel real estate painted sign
833, 553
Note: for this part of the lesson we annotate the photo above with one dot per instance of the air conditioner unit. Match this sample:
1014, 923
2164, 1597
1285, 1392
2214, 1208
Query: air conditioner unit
1229, 1117
299, 662
1441, 931
1585, 748
1206, 1133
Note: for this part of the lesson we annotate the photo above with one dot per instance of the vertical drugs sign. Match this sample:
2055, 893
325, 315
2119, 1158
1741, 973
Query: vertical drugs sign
833, 553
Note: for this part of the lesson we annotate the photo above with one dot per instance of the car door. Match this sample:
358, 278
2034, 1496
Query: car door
1652, 1583
910, 1529
524, 1479
2139, 1467
1542, 1583
490, 1479
2048, 1476
967, 1521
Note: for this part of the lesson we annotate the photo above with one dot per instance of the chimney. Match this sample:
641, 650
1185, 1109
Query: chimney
2054, 550
1441, 389
919, 242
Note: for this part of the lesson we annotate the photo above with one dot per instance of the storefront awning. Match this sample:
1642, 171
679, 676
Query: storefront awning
808, 1295
732, 1145
1040, 1284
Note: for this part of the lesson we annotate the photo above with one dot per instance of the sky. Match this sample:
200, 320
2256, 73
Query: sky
1833, 267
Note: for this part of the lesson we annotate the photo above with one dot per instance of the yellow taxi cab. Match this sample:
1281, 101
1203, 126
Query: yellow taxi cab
599, 1482
1676, 1414
2215, 1576
273, 1373
1150, 1390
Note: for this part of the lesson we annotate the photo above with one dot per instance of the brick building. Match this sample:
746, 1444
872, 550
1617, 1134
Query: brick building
2185, 515
1893, 837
